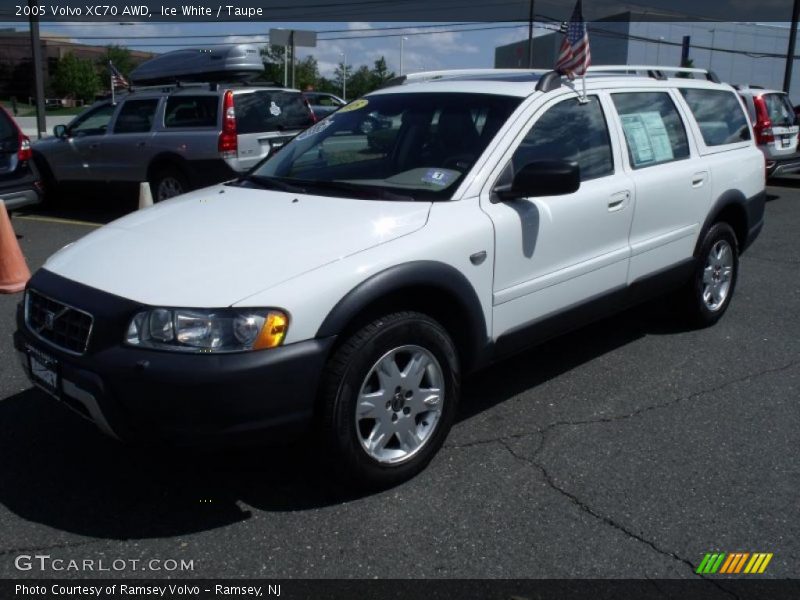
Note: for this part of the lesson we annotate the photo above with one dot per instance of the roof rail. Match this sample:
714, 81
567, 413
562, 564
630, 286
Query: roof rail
654, 71
454, 73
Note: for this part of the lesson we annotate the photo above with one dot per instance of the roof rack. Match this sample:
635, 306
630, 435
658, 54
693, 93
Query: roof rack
654, 71
457, 73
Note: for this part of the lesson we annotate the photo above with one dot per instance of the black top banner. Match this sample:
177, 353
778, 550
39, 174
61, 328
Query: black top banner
390, 10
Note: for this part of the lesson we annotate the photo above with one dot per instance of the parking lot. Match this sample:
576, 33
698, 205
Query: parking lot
627, 449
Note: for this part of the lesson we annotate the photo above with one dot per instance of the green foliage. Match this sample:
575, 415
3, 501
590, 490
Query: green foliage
120, 56
689, 64
76, 78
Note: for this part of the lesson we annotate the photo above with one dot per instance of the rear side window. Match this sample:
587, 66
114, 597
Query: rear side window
654, 132
570, 131
719, 115
268, 110
191, 111
136, 116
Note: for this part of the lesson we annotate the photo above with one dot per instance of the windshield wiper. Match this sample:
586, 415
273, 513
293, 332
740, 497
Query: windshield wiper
363, 191
272, 183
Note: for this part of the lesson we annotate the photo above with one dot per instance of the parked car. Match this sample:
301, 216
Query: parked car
353, 288
323, 104
177, 137
19, 180
776, 128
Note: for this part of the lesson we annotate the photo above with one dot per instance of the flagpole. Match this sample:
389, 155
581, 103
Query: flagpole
111, 77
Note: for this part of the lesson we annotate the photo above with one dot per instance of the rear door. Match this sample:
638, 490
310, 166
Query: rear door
671, 181
122, 155
267, 119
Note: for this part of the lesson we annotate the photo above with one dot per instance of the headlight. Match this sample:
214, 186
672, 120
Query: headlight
203, 330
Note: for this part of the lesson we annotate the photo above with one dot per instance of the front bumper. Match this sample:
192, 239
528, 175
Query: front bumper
148, 395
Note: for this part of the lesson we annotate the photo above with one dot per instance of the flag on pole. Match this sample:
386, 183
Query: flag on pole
117, 79
574, 56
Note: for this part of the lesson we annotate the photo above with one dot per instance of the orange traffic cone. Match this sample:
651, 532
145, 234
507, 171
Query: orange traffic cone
14, 273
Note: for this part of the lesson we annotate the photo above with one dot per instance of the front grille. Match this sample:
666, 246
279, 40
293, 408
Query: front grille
60, 324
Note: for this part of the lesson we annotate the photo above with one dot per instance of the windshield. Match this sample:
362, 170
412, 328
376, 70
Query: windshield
402, 145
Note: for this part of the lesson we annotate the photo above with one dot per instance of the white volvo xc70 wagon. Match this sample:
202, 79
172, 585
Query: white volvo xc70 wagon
351, 280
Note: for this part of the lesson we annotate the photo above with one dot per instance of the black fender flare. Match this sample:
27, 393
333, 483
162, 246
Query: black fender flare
428, 274
727, 199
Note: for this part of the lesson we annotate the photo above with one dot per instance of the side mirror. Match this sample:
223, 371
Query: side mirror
542, 178
60, 131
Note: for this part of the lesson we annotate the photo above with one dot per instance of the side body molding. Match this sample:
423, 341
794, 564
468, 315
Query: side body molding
441, 281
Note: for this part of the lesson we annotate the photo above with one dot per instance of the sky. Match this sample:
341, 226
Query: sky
426, 47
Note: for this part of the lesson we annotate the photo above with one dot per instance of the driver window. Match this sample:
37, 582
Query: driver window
93, 123
570, 130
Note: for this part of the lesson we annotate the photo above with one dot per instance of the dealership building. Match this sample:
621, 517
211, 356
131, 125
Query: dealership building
739, 53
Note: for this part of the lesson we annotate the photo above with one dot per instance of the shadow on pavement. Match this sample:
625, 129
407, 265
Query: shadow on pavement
95, 204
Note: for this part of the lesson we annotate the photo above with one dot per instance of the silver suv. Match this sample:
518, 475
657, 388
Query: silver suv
775, 127
176, 137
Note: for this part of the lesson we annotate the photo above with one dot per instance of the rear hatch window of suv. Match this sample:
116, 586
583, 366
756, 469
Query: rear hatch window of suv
779, 110
271, 110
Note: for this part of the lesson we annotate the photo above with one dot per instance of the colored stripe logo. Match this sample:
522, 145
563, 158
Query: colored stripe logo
734, 563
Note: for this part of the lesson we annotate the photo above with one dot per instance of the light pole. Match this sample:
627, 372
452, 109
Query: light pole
344, 75
711, 55
402, 39
658, 51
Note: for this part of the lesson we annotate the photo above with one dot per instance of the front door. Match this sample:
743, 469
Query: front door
556, 252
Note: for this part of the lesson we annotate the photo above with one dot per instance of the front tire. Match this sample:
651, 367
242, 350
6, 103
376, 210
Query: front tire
389, 398
709, 293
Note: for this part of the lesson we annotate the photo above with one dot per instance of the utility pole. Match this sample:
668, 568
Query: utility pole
687, 41
291, 40
344, 75
530, 36
787, 77
38, 78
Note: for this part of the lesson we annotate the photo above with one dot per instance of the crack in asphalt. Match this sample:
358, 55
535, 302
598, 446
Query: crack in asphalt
503, 441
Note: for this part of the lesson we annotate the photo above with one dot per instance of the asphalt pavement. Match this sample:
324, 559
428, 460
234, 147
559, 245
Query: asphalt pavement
627, 449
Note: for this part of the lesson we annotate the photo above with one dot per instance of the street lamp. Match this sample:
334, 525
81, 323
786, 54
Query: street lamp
658, 51
402, 39
344, 75
711, 55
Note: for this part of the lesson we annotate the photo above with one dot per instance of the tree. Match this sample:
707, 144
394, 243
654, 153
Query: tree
381, 73
120, 56
273, 57
360, 82
306, 73
76, 78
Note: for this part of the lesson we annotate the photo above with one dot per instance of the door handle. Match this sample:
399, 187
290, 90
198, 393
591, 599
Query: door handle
698, 179
618, 201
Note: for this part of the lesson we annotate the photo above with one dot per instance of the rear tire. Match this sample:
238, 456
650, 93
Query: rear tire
389, 397
168, 182
708, 294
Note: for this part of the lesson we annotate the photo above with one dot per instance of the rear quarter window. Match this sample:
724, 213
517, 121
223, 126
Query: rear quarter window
268, 110
719, 115
191, 111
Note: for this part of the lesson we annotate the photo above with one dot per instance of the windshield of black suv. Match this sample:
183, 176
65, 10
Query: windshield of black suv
399, 145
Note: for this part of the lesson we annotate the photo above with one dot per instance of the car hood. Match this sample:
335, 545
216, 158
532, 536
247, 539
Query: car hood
217, 246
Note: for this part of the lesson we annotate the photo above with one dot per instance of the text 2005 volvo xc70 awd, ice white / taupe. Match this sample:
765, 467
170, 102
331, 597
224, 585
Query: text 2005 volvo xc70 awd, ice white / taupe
351, 280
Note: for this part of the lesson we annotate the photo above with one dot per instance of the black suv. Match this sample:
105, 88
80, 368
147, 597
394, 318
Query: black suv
19, 180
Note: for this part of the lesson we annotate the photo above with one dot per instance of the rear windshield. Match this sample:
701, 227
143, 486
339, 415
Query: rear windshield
7, 129
271, 110
779, 109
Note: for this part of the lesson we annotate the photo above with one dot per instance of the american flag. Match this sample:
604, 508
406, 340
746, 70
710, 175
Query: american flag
117, 80
574, 56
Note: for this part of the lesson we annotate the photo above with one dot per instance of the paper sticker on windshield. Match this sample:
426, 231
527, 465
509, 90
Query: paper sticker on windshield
315, 129
354, 105
437, 177
274, 109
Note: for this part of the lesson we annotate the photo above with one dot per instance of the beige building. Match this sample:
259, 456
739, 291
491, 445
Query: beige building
16, 61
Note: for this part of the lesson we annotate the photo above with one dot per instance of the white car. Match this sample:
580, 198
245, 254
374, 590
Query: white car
775, 127
351, 286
